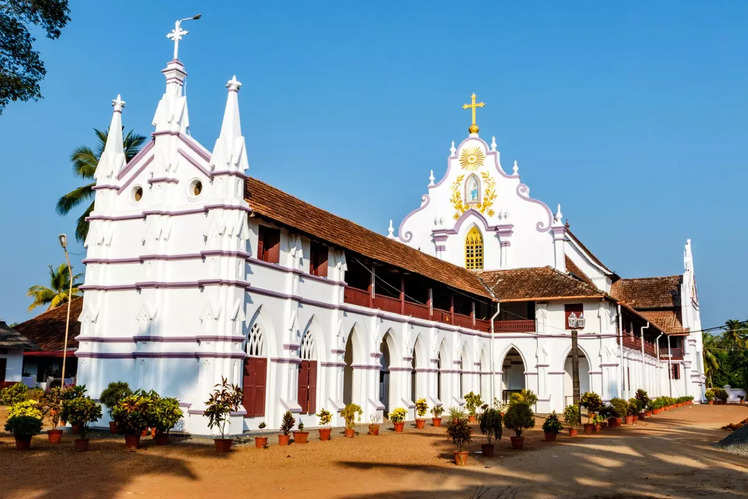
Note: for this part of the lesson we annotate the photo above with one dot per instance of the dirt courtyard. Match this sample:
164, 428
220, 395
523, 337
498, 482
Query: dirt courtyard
669, 455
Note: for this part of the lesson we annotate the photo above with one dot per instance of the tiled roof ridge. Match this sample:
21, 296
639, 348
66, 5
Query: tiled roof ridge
590, 253
629, 279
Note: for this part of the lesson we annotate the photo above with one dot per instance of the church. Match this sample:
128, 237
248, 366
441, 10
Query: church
197, 271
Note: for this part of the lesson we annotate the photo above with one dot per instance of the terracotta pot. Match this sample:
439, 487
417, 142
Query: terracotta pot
153, 432
54, 436
461, 457
656, 411
487, 449
132, 441
300, 437
80, 444
223, 445
374, 429
573, 432
518, 442
641, 416
75, 429
283, 439
636, 417
324, 433
113, 427
619, 421
261, 442
648, 414
598, 427
144, 432
436, 421
399, 426
350, 432
629, 419
550, 436
23, 442
589, 428
420, 423
162, 438
472, 419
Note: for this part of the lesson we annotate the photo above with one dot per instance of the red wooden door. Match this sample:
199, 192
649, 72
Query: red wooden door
3, 366
308, 386
255, 376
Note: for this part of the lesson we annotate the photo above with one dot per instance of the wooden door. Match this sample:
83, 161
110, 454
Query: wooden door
255, 377
307, 394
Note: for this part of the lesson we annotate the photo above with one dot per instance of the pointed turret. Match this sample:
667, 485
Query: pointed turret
391, 230
229, 152
112, 159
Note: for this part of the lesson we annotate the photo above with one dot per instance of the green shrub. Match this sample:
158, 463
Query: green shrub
459, 431
720, 394
23, 426
491, 424
620, 407
51, 404
113, 393
165, 414
421, 407
592, 402
132, 413
571, 415
552, 424
437, 411
456, 413
709, 394
472, 402
324, 417
643, 398
34, 394
287, 422
81, 411
73, 392
351, 413
13, 394
25, 408
525, 396
633, 407
397, 415
518, 417
224, 400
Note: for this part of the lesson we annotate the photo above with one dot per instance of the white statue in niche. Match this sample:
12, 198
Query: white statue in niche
472, 190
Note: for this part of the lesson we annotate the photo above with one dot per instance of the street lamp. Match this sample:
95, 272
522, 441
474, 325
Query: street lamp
63, 238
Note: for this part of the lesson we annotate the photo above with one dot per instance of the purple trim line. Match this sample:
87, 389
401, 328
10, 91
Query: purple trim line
195, 211
161, 284
556, 372
132, 177
337, 351
105, 186
409, 235
159, 339
332, 364
375, 355
167, 180
291, 347
595, 372
136, 158
193, 162
365, 366
285, 360
503, 230
524, 192
401, 368
160, 355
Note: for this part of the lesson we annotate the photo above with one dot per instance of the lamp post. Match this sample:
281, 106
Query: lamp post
63, 238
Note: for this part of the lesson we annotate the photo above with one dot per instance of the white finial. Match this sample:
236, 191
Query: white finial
559, 215
431, 178
493, 143
452, 149
391, 230
233, 84
515, 168
118, 104
178, 33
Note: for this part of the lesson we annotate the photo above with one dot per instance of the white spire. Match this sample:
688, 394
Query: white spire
493, 143
515, 168
391, 230
452, 149
229, 152
431, 178
557, 220
113, 157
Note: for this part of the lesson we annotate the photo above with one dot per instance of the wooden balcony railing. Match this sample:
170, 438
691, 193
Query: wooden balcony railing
677, 353
387, 304
464, 321
514, 326
356, 296
417, 310
636, 344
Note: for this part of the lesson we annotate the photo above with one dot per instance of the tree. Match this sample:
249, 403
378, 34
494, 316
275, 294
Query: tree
711, 356
735, 334
57, 294
21, 67
85, 161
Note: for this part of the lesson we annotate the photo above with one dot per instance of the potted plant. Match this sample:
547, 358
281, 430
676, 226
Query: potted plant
421, 408
300, 436
24, 421
165, 414
551, 427
224, 400
572, 418
526, 396
374, 424
472, 402
131, 415
51, 405
286, 425
634, 409
518, 417
437, 411
70, 393
591, 401
459, 431
643, 398
456, 413
110, 397
81, 411
491, 426
351, 413
325, 417
721, 395
620, 407
13, 394
397, 416
261, 442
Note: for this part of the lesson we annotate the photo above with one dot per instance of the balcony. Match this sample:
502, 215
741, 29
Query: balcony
360, 297
635, 343
677, 353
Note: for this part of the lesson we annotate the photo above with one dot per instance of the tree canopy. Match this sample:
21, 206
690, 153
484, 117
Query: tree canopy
726, 355
21, 67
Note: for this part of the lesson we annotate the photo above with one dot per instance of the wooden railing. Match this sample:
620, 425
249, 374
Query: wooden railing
636, 344
677, 353
361, 297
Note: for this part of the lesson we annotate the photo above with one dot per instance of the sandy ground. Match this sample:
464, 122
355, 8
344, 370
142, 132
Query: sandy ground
669, 455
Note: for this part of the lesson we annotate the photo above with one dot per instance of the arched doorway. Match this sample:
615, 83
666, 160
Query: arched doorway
485, 375
384, 372
307, 385
254, 379
584, 377
348, 373
513, 374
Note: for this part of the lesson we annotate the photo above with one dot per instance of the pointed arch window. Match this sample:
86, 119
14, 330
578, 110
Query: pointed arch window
307, 393
255, 373
472, 190
474, 249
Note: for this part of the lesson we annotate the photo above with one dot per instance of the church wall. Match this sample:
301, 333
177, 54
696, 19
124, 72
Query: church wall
592, 270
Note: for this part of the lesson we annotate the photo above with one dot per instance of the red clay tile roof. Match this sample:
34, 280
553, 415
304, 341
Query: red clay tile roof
649, 292
541, 283
572, 268
10, 338
288, 210
666, 320
591, 254
47, 330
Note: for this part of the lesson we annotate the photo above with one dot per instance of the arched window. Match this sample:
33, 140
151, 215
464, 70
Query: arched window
255, 373
474, 249
307, 375
472, 190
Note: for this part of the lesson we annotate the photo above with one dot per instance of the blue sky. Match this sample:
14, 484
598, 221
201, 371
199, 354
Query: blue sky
632, 116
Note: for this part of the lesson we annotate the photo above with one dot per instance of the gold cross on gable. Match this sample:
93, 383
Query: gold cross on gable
473, 106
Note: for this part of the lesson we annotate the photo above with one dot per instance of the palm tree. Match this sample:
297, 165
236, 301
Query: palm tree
84, 165
712, 353
57, 294
735, 334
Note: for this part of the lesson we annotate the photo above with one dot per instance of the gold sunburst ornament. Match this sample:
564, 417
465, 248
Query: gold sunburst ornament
471, 158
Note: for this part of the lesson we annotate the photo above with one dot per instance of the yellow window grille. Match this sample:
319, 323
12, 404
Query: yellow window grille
474, 249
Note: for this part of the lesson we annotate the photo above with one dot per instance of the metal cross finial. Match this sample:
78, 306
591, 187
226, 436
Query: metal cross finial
473, 106
118, 104
178, 33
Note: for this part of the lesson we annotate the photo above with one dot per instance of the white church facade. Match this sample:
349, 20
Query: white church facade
196, 271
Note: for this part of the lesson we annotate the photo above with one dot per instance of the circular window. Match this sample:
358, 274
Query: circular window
137, 193
196, 187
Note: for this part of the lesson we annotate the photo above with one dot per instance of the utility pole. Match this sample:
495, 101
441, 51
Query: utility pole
63, 238
575, 367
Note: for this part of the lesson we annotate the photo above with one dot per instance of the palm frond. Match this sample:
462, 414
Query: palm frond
81, 226
74, 198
